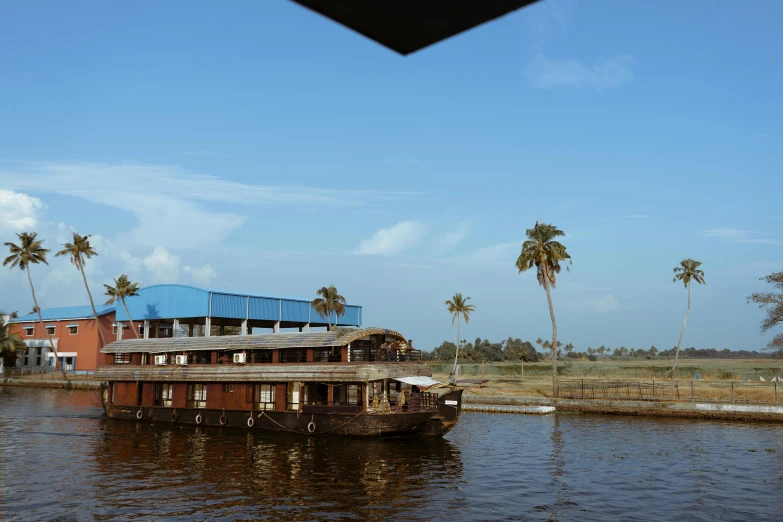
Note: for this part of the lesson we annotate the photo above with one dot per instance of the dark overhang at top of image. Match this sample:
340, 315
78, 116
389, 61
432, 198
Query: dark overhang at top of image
406, 26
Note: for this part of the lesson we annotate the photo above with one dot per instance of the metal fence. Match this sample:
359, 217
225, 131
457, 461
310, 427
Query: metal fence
734, 392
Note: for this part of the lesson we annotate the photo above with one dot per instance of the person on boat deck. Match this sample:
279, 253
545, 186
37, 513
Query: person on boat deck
413, 399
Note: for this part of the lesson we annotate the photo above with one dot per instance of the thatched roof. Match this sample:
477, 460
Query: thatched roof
246, 342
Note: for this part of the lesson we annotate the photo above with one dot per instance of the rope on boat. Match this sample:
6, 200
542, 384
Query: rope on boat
263, 413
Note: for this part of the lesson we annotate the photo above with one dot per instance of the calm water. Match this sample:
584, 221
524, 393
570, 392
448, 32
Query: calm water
61, 460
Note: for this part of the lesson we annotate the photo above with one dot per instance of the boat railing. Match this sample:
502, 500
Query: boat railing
384, 355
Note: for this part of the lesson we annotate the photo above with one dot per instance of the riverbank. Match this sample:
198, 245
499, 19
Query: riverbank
725, 411
80, 384
705, 410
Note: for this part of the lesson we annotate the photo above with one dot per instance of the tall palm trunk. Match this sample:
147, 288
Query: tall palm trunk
40, 320
132, 324
682, 331
554, 333
92, 305
456, 352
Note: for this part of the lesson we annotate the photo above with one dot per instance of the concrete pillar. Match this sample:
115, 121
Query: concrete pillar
190, 330
119, 331
276, 327
243, 328
208, 327
175, 328
146, 329
305, 328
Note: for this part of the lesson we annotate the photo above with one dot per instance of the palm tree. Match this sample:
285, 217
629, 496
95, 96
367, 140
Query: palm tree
30, 252
329, 303
569, 348
123, 287
542, 251
10, 345
460, 309
687, 271
78, 251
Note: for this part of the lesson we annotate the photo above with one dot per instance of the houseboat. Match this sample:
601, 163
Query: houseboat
367, 382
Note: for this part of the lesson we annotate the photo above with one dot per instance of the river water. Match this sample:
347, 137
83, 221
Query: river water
60, 459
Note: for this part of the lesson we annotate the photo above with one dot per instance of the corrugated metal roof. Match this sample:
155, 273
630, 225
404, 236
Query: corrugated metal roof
184, 301
314, 372
65, 313
246, 342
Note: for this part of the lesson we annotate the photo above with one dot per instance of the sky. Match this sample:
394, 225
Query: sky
262, 148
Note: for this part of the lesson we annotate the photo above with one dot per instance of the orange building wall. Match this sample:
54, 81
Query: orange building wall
86, 343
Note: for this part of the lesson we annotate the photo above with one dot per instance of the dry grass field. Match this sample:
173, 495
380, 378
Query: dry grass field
712, 378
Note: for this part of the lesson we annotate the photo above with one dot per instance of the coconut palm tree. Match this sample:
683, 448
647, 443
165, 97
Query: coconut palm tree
10, 345
28, 252
123, 287
542, 251
687, 271
459, 308
79, 251
329, 303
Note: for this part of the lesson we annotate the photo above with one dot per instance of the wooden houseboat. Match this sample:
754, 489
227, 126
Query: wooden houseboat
368, 382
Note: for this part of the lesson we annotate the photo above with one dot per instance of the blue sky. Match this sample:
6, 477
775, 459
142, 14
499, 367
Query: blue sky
260, 147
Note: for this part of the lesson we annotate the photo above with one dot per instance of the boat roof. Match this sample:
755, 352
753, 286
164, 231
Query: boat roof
247, 342
321, 372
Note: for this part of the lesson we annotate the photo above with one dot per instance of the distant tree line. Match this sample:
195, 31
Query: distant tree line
511, 349
482, 350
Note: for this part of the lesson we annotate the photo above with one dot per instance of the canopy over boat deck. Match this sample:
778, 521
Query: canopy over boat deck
250, 342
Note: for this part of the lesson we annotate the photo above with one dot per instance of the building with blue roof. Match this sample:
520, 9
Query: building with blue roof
159, 311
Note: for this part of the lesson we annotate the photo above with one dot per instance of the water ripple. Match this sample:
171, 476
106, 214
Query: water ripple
60, 459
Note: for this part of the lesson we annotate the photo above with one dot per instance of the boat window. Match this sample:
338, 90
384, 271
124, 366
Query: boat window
327, 355
292, 396
315, 394
260, 356
163, 394
228, 388
200, 358
293, 355
122, 358
264, 397
347, 395
197, 396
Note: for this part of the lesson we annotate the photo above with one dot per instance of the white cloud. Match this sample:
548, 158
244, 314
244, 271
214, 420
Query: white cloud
456, 236
132, 265
18, 211
599, 305
163, 265
167, 198
606, 73
394, 239
735, 235
201, 276
500, 253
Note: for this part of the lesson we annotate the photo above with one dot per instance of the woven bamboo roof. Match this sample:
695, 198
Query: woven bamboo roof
246, 342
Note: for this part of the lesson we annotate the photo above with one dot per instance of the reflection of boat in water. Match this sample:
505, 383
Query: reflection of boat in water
211, 469
361, 382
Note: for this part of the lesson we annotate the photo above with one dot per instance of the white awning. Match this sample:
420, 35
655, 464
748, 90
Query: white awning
423, 382
62, 354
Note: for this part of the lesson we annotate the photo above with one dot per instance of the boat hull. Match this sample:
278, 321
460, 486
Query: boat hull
362, 424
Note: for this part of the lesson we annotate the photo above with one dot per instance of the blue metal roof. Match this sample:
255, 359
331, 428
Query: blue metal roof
183, 301
67, 312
